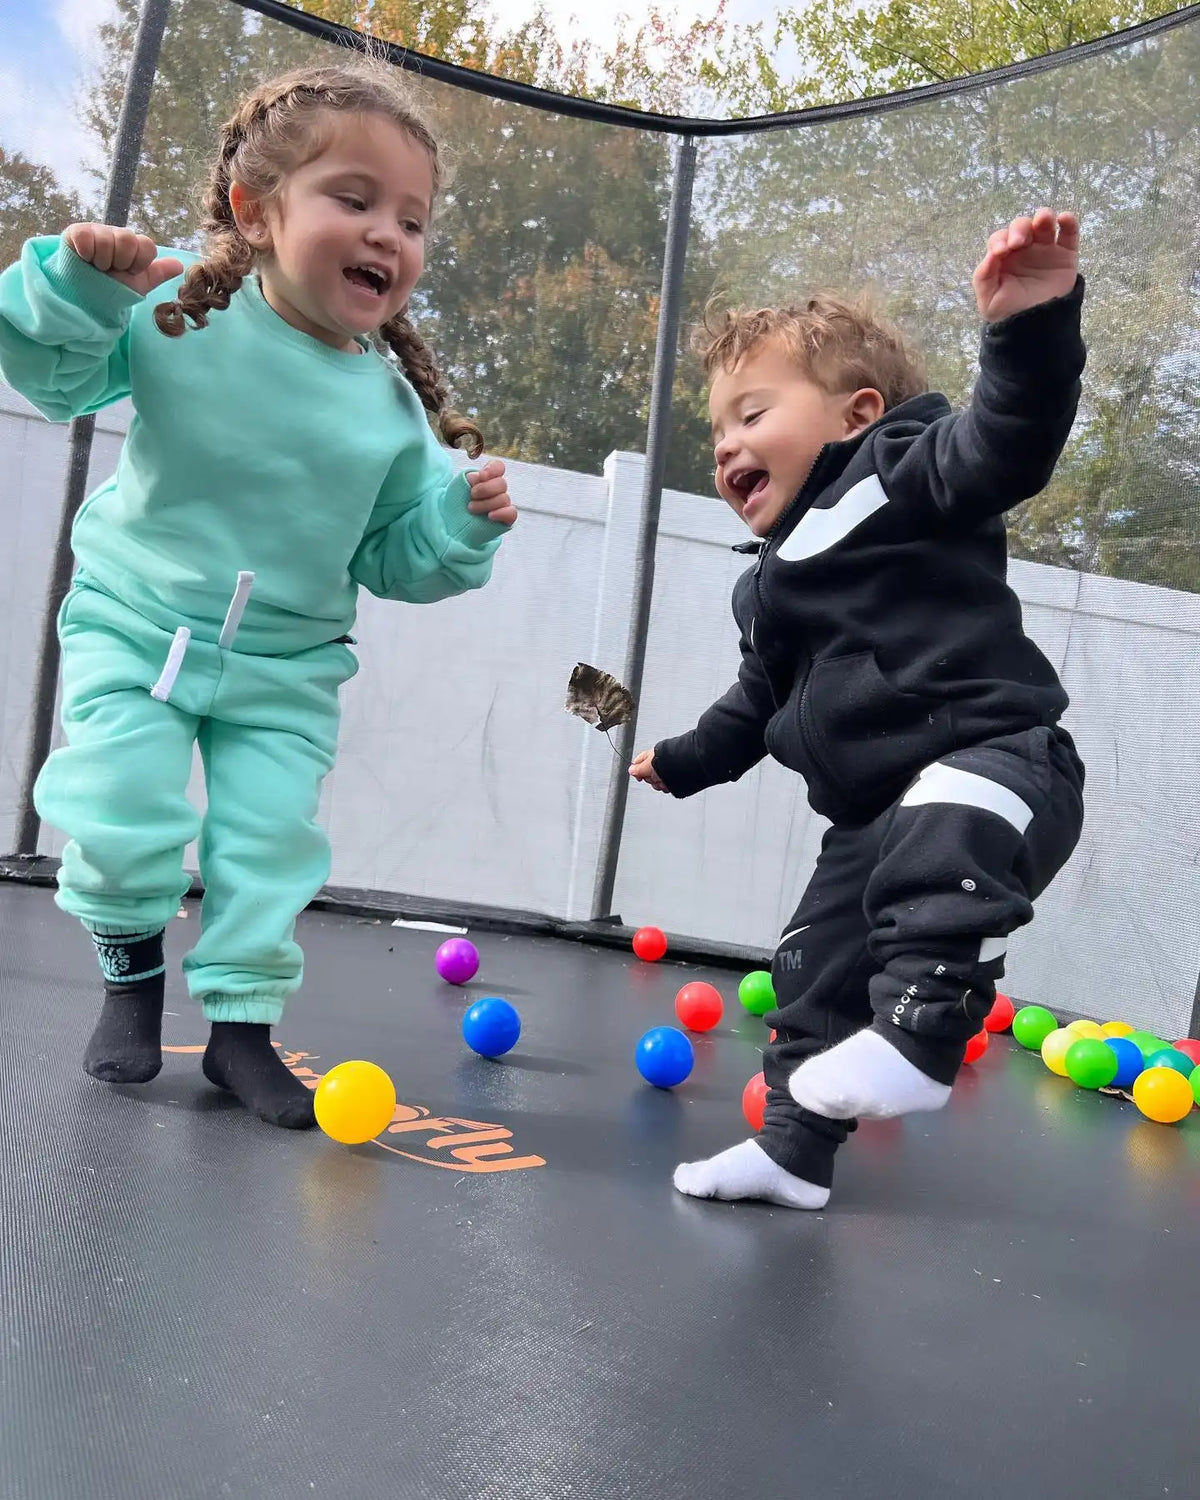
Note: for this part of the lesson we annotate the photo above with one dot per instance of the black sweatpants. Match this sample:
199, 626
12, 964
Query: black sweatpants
904, 923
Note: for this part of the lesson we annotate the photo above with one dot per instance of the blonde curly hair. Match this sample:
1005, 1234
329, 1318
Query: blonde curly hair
841, 345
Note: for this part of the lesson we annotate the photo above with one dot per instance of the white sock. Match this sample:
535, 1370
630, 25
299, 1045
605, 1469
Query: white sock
864, 1076
746, 1171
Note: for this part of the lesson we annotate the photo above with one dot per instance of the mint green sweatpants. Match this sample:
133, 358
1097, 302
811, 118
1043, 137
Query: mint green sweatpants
267, 730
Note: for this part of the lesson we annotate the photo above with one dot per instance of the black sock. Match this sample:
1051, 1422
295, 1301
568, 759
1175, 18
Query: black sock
126, 1046
240, 1058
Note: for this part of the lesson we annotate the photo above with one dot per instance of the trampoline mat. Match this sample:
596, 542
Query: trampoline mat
504, 1297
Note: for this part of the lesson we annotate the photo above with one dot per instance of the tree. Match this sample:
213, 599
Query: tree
31, 202
542, 284
904, 200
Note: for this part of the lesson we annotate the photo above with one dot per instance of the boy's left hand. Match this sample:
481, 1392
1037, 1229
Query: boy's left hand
1031, 261
489, 494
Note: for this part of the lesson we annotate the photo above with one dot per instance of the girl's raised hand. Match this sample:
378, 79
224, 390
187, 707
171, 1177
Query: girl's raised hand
1032, 260
129, 258
489, 494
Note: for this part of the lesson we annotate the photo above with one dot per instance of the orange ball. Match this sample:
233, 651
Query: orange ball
754, 1101
650, 943
976, 1047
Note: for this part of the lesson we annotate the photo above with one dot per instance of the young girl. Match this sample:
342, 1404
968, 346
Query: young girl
277, 460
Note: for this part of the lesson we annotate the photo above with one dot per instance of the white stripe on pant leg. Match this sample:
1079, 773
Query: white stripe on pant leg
237, 608
992, 948
162, 688
942, 783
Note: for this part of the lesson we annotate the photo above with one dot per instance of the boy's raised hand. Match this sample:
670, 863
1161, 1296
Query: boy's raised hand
127, 257
1032, 260
641, 768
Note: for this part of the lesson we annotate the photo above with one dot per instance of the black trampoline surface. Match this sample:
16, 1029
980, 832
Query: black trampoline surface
1000, 1300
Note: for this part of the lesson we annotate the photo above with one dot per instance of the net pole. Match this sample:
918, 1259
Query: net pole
118, 195
657, 438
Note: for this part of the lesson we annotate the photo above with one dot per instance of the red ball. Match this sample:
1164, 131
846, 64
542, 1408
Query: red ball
1190, 1048
754, 1101
699, 1006
650, 943
999, 1018
976, 1047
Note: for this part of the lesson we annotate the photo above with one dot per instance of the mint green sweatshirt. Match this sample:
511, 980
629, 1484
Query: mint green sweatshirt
253, 448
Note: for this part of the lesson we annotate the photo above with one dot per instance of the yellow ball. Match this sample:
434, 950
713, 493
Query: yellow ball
1116, 1028
1162, 1094
1081, 1029
1054, 1050
354, 1102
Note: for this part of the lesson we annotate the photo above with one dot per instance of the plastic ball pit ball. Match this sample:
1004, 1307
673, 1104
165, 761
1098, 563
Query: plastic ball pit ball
664, 1057
491, 1027
976, 1047
754, 1101
1000, 1017
1146, 1042
1169, 1057
457, 961
354, 1102
757, 993
1054, 1050
1091, 1063
1031, 1025
699, 1006
1190, 1049
1163, 1095
650, 943
1085, 1028
1130, 1062
1116, 1028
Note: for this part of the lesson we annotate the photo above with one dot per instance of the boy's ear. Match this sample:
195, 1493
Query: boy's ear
862, 409
249, 217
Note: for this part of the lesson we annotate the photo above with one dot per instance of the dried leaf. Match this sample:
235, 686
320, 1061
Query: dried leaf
598, 698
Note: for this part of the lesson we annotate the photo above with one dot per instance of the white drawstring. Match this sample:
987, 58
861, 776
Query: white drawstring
237, 608
162, 688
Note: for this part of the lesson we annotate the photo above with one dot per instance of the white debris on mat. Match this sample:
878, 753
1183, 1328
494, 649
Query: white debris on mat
428, 926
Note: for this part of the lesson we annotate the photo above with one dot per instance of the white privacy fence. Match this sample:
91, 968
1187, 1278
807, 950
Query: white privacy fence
462, 779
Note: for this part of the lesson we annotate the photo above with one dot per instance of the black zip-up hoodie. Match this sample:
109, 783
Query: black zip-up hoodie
878, 629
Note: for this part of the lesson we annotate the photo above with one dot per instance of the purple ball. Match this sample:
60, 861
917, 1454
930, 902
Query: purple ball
457, 961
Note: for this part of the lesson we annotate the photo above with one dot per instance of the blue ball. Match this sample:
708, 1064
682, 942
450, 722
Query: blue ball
664, 1057
1130, 1061
491, 1027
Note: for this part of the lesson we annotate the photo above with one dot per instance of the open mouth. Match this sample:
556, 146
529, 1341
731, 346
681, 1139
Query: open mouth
371, 278
749, 484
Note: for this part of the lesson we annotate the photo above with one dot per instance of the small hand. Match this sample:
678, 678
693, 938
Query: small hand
131, 259
489, 494
641, 768
1029, 261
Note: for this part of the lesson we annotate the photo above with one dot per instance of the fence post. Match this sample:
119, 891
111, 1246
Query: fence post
657, 437
135, 106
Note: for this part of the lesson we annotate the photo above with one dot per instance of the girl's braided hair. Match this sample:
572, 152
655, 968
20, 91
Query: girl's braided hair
276, 128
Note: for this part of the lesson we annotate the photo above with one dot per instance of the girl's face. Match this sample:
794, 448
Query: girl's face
343, 243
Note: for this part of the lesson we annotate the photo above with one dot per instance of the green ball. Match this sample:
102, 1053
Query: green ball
1091, 1064
1167, 1057
1031, 1025
1195, 1082
1146, 1043
757, 993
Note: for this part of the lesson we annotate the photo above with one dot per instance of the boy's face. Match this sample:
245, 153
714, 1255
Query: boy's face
769, 422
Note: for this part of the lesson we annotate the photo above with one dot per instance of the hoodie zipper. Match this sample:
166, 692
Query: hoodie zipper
807, 735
